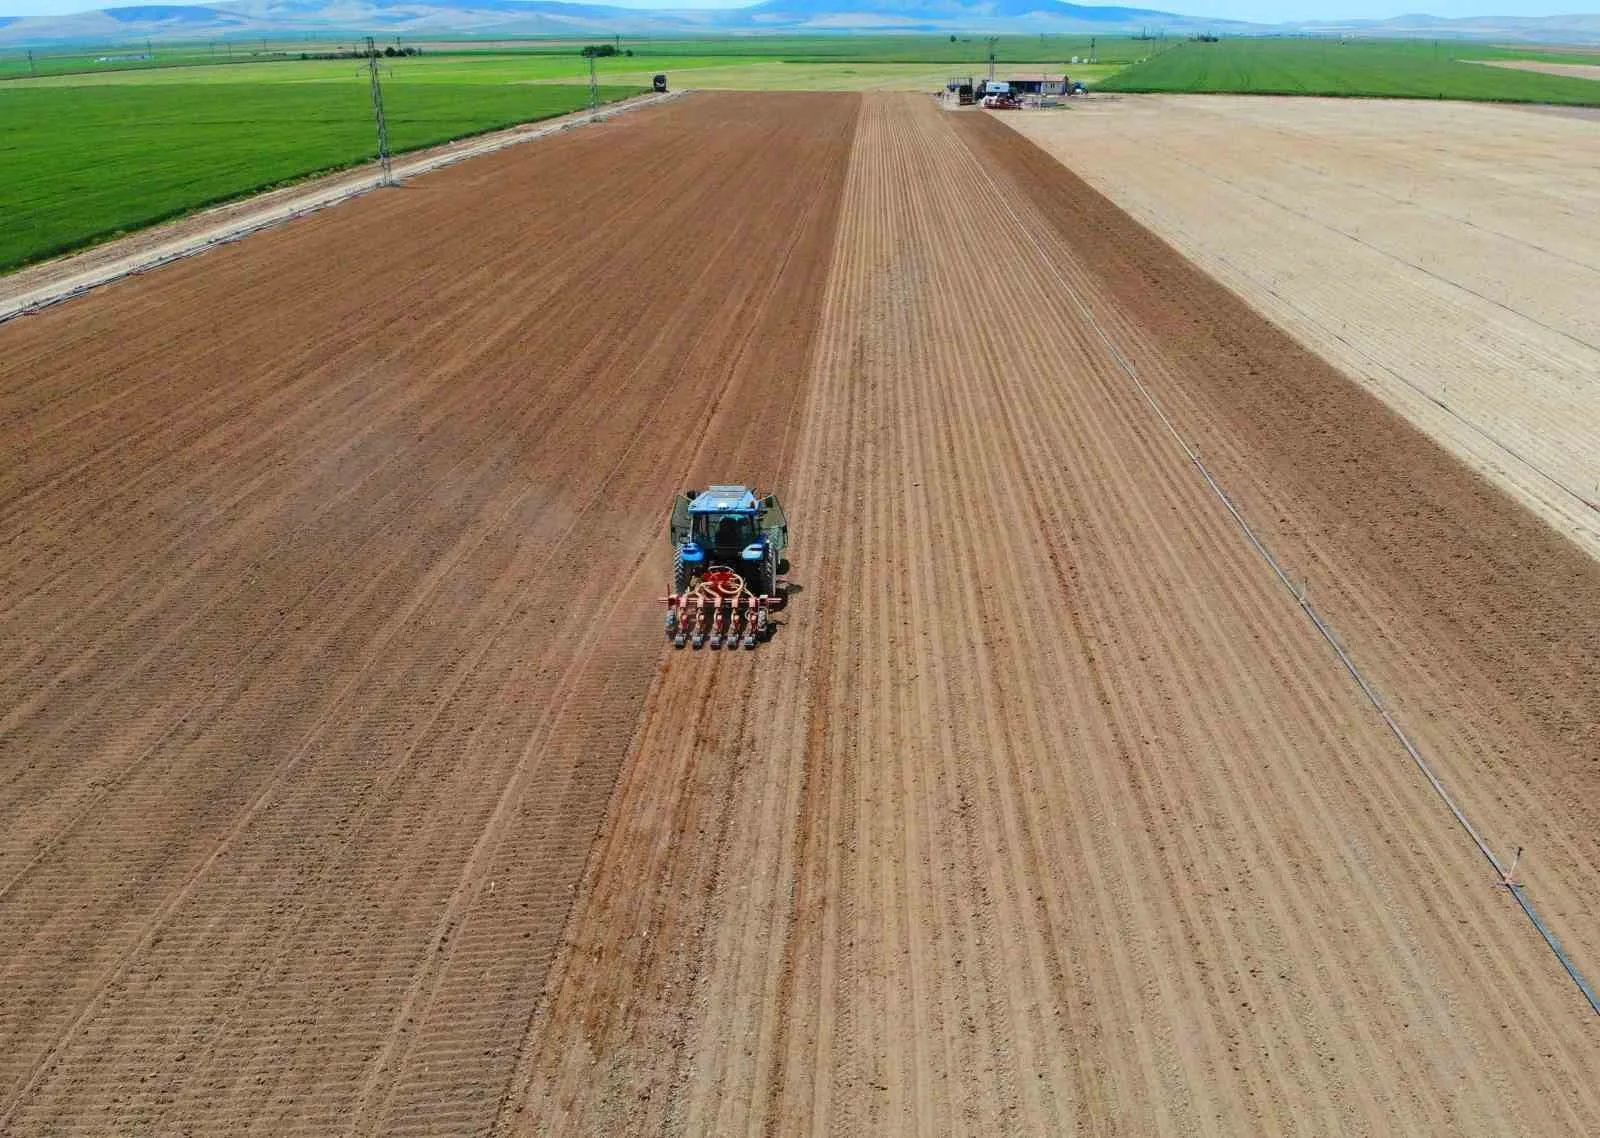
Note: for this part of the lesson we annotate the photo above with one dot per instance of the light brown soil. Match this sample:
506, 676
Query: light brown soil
1590, 113
1451, 276
340, 684
1554, 48
330, 566
1048, 811
1572, 70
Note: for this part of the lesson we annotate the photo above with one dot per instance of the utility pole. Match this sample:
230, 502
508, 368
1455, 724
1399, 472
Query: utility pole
992, 41
594, 87
377, 113
31, 69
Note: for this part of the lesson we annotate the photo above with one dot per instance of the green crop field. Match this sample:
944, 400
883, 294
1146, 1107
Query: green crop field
743, 72
78, 164
453, 68
95, 142
513, 61
1416, 69
963, 50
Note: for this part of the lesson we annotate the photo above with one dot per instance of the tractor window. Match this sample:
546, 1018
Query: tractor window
724, 531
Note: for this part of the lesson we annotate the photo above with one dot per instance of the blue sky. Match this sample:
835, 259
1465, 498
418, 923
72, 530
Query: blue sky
1260, 11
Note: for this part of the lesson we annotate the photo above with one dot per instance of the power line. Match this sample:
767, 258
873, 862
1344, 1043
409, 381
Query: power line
377, 113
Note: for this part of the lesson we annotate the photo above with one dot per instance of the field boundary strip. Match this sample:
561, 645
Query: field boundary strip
1503, 872
47, 296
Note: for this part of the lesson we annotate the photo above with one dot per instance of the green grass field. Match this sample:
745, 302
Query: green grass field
1414, 69
784, 75
477, 68
746, 72
94, 142
82, 163
98, 142
559, 59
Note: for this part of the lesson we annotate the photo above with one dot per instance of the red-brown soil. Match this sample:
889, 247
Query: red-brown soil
1050, 811
347, 783
329, 605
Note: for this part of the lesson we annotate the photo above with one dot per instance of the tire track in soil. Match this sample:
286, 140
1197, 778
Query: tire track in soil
1048, 811
332, 643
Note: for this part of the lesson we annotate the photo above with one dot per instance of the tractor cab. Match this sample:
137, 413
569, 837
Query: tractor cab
730, 526
727, 525
722, 523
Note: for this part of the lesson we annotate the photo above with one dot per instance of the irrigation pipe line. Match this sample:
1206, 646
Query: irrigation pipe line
511, 136
1299, 595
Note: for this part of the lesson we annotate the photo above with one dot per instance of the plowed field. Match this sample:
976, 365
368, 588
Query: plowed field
337, 690
1443, 254
330, 619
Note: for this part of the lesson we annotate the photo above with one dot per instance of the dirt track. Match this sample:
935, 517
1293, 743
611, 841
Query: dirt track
1046, 810
1572, 70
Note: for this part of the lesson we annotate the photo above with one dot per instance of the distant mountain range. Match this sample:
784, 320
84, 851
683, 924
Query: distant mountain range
489, 18
1578, 28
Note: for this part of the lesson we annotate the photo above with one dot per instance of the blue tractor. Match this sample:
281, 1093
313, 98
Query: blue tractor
728, 548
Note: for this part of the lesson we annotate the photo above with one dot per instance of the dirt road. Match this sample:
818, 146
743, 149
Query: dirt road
328, 581
1052, 812
1572, 70
347, 785
1443, 254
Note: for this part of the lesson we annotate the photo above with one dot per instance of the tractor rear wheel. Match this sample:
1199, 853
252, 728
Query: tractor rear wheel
766, 582
680, 574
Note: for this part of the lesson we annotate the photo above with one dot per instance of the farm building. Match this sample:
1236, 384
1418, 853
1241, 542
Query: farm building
1037, 83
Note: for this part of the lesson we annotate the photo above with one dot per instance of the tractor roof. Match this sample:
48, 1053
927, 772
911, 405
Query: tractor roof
724, 500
